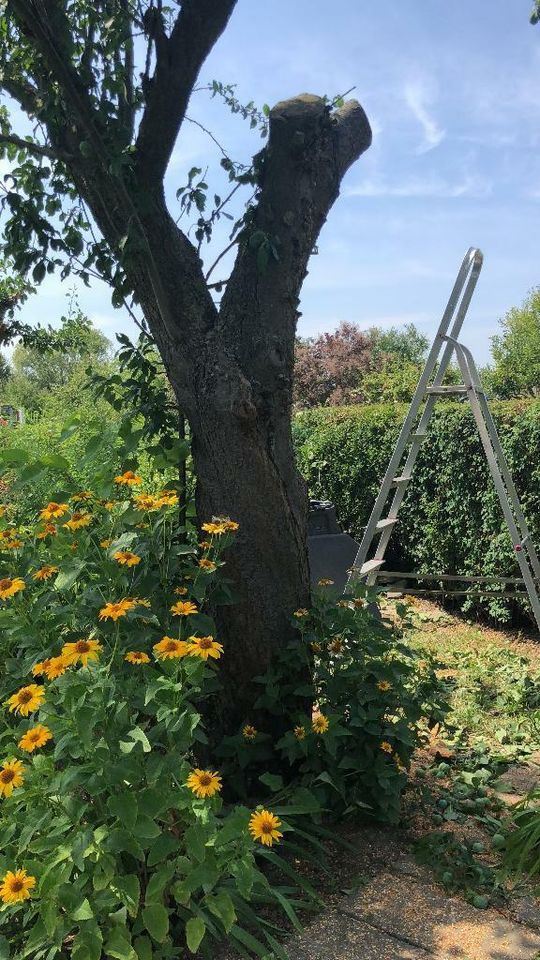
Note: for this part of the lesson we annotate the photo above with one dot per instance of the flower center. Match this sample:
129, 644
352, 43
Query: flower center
205, 779
266, 826
5, 584
16, 886
34, 736
82, 646
25, 696
205, 643
7, 776
171, 645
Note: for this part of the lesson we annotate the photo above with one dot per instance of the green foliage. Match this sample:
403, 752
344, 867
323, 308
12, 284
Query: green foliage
516, 351
54, 362
373, 695
404, 343
521, 845
457, 867
451, 520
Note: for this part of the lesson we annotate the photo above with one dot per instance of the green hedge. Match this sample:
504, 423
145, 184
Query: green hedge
451, 519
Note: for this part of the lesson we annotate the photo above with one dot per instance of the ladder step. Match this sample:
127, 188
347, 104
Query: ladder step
419, 435
443, 391
405, 477
370, 565
389, 522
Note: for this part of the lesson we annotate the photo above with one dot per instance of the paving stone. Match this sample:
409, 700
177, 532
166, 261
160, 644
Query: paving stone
526, 910
444, 926
338, 937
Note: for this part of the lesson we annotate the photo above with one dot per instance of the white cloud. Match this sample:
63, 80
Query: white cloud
431, 186
418, 100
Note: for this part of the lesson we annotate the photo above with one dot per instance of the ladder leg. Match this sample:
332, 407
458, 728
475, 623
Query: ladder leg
493, 464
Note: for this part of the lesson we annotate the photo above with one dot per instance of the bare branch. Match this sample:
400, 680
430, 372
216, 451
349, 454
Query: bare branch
178, 61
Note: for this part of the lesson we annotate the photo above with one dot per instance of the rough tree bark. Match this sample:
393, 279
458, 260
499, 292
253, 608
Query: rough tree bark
231, 368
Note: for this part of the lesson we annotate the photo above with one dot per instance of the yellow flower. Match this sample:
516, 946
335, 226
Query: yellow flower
216, 529
11, 777
36, 737
8, 534
46, 571
11, 544
16, 886
53, 510
301, 612
180, 591
316, 647
184, 609
170, 649
299, 732
263, 826
207, 565
40, 667
128, 478
9, 586
27, 699
55, 666
205, 647
140, 602
127, 558
105, 544
82, 651
249, 732
325, 582
108, 504
49, 530
359, 603
320, 723
387, 747
112, 611
397, 760
83, 495
3, 509
205, 545
343, 603
168, 498
204, 783
137, 656
143, 501
337, 646
229, 524
384, 685
78, 519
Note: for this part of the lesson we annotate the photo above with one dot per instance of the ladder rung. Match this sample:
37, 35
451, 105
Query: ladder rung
444, 390
370, 565
404, 478
389, 522
419, 435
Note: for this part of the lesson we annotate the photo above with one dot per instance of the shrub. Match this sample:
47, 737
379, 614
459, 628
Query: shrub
125, 845
451, 520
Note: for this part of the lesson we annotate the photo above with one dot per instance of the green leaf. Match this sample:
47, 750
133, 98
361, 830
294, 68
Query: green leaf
68, 574
136, 736
195, 931
156, 921
124, 807
196, 837
118, 945
128, 889
88, 943
143, 946
13, 455
83, 912
163, 846
275, 782
4, 949
222, 906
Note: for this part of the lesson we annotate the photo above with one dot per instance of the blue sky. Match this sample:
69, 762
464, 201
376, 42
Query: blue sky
451, 90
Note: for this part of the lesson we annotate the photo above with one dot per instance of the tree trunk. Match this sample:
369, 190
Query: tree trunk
245, 470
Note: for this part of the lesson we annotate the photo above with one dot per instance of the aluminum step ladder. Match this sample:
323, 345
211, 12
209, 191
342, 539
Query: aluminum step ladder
413, 433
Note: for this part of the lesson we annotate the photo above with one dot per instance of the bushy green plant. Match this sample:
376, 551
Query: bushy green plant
108, 650
451, 519
375, 697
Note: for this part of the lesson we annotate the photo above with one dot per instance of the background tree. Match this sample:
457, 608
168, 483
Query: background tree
358, 366
516, 351
87, 193
58, 358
